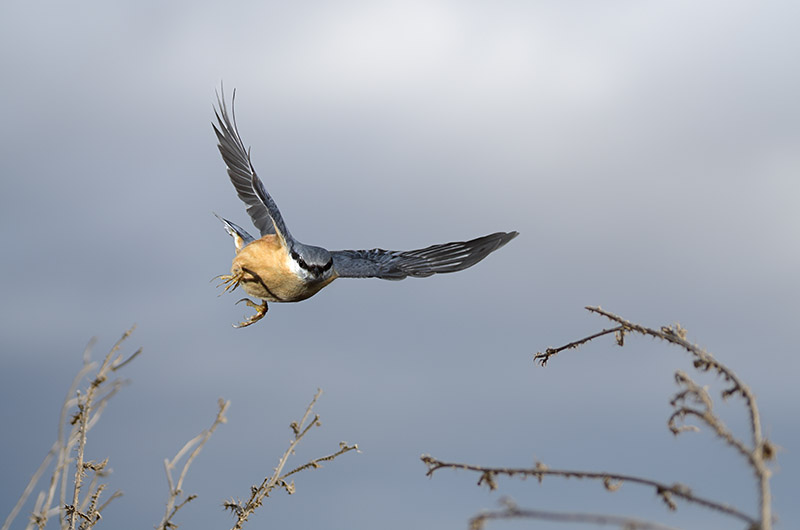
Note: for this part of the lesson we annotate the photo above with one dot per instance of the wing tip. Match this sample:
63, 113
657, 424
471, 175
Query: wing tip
507, 236
500, 239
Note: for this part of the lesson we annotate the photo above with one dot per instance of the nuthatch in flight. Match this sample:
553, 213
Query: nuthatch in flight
278, 268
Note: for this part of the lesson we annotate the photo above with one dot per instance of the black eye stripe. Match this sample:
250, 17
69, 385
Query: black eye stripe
313, 269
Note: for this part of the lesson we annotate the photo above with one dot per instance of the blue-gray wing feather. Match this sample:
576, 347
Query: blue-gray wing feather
436, 259
262, 209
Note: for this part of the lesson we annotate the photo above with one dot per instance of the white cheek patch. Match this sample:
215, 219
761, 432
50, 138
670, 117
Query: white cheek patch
295, 267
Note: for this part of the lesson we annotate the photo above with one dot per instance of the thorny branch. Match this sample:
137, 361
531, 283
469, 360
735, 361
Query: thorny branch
619, 331
762, 450
110, 363
315, 464
257, 493
611, 482
90, 405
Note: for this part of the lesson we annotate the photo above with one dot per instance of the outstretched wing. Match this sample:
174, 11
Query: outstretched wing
260, 206
396, 265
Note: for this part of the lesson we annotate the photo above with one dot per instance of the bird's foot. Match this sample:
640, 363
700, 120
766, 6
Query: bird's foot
230, 281
261, 310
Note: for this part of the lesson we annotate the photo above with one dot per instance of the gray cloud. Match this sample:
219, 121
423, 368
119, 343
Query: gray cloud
646, 153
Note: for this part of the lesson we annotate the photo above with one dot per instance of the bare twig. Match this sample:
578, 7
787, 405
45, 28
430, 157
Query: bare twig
119, 363
762, 450
611, 482
315, 464
258, 493
511, 511
92, 514
175, 490
59, 448
117, 494
31, 484
84, 410
542, 358
696, 393
90, 404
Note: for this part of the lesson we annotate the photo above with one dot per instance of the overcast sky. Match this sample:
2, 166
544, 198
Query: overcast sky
648, 154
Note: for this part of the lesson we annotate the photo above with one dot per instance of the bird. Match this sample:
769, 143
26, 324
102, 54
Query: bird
276, 267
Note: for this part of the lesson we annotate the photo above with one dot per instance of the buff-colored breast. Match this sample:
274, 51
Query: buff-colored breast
267, 274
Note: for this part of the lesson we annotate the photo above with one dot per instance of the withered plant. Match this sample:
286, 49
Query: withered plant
176, 498
75, 504
243, 509
691, 402
78, 505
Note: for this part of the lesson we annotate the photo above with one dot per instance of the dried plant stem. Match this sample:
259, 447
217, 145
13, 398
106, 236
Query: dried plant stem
84, 407
315, 464
258, 493
762, 449
59, 448
611, 481
90, 405
31, 484
175, 490
117, 494
512, 512
549, 352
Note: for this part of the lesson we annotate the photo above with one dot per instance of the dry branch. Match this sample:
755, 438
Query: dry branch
511, 511
691, 401
758, 454
611, 482
90, 403
176, 489
243, 510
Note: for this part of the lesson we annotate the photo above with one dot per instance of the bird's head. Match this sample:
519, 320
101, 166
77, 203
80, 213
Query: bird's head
311, 263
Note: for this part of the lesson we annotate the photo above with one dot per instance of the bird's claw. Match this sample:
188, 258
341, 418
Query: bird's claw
230, 281
261, 310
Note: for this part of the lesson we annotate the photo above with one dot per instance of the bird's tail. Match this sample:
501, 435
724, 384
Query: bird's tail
240, 236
